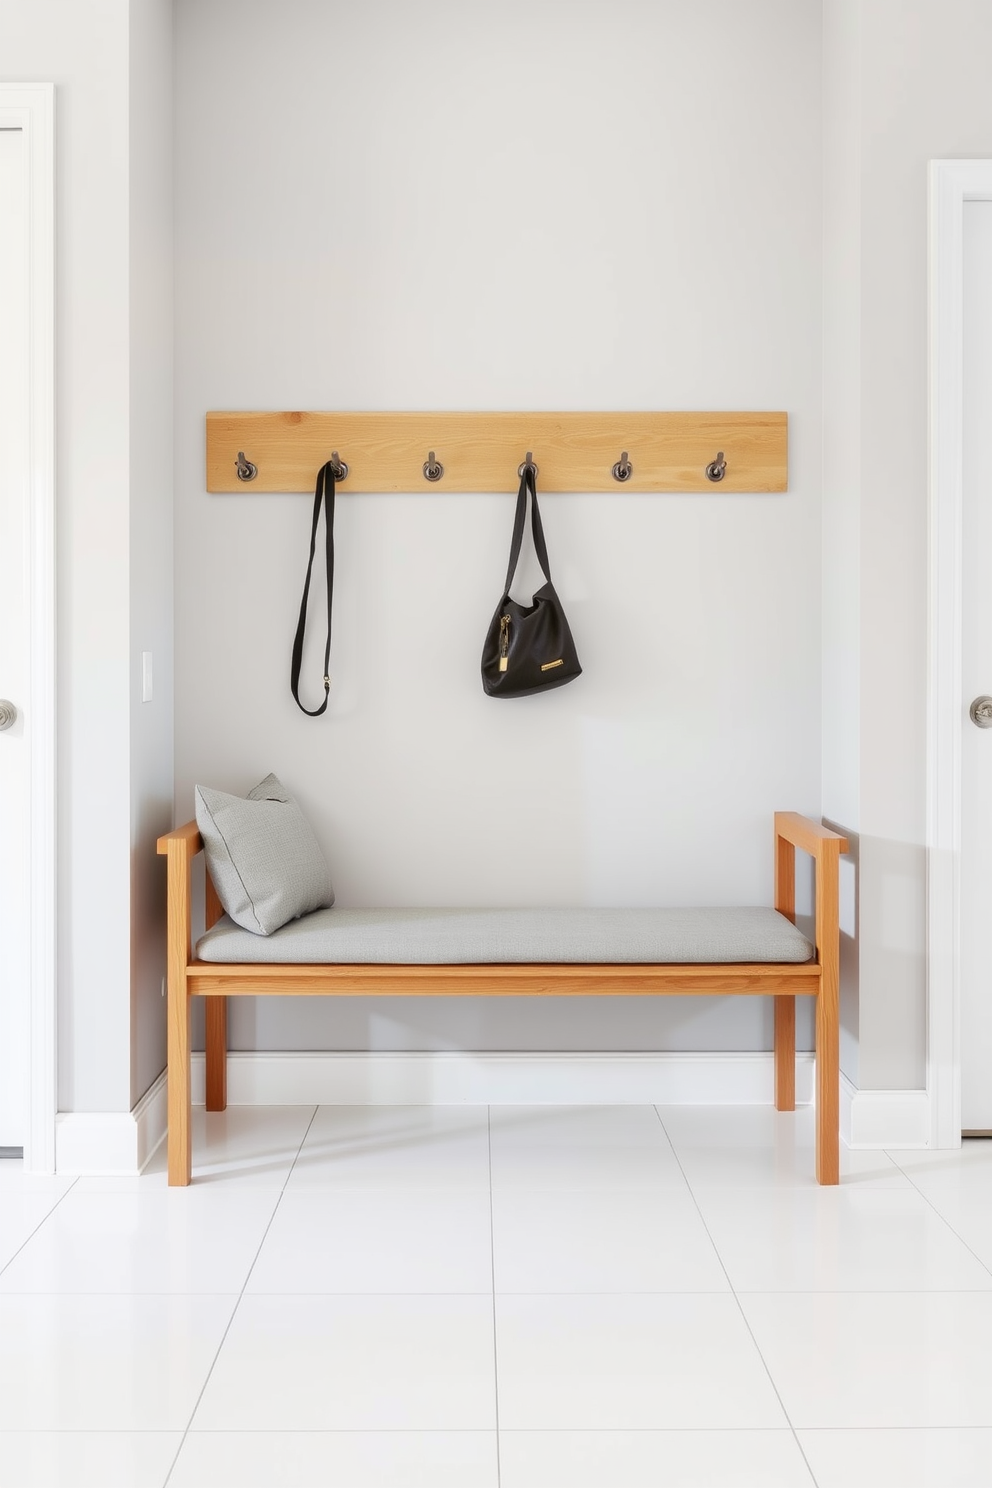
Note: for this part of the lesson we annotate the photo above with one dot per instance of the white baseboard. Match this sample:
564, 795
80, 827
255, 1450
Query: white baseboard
501, 1079
884, 1118
106, 1142
112, 1142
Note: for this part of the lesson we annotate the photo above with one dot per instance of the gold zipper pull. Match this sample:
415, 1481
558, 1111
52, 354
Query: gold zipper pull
504, 642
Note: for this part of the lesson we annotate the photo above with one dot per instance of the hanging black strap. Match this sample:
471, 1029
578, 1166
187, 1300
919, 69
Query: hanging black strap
323, 492
527, 483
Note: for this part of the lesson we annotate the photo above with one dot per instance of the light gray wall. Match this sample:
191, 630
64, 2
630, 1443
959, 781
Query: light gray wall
375, 207
150, 112
83, 50
538, 206
841, 622
912, 80
114, 497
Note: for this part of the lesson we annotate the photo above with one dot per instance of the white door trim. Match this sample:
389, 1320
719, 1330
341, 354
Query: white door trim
952, 183
31, 107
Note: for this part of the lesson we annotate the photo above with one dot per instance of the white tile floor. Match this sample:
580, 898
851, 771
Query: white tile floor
529, 1297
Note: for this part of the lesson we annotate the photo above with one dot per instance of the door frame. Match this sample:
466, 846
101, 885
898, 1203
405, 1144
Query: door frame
31, 108
952, 184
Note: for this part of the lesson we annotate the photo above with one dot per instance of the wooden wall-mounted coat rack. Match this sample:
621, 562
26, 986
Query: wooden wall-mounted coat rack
733, 452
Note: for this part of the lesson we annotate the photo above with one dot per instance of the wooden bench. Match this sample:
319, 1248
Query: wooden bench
785, 981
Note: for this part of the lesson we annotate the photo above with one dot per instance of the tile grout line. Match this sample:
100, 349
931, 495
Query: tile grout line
234, 1310
737, 1300
517, 1292
15, 1431
44, 1220
492, 1264
942, 1217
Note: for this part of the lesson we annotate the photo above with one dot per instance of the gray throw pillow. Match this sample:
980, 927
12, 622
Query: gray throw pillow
265, 862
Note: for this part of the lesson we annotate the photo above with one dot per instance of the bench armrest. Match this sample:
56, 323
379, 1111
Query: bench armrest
824, 847
803, 832
179, 848
185, 840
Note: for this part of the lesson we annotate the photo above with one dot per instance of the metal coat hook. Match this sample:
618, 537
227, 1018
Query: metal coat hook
246, 470
716, 469
623, 470
527, 465
338, 467
433, 469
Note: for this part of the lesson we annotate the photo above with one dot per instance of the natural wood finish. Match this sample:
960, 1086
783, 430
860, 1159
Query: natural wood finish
785, 878
216, 1016
783, 982
551, 979
785, 1053
785, 1007
187, 837
179, 854
827, 873
216, 1053
825, 847
807, 834
481, 451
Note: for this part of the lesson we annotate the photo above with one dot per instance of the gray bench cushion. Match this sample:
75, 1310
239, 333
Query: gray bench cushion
473, 936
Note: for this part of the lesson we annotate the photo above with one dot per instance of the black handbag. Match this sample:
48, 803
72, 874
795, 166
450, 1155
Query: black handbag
323, 495
529, 648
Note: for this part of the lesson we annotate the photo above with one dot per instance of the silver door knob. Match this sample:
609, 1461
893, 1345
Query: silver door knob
8, 715
981, 711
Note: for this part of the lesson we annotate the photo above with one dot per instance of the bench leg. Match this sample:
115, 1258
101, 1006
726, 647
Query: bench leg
785, 1053
785, 1007
827, 1084
180, 1107
216, 1053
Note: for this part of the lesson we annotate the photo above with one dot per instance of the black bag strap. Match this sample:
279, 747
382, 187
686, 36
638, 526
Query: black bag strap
323, 493
527, 484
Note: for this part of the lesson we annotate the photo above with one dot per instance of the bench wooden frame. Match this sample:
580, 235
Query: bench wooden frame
785, 982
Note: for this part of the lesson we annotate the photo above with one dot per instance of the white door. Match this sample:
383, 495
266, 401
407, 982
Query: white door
976, 675
14, 561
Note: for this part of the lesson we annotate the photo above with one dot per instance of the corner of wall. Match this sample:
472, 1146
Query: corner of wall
841, 611
151, 111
